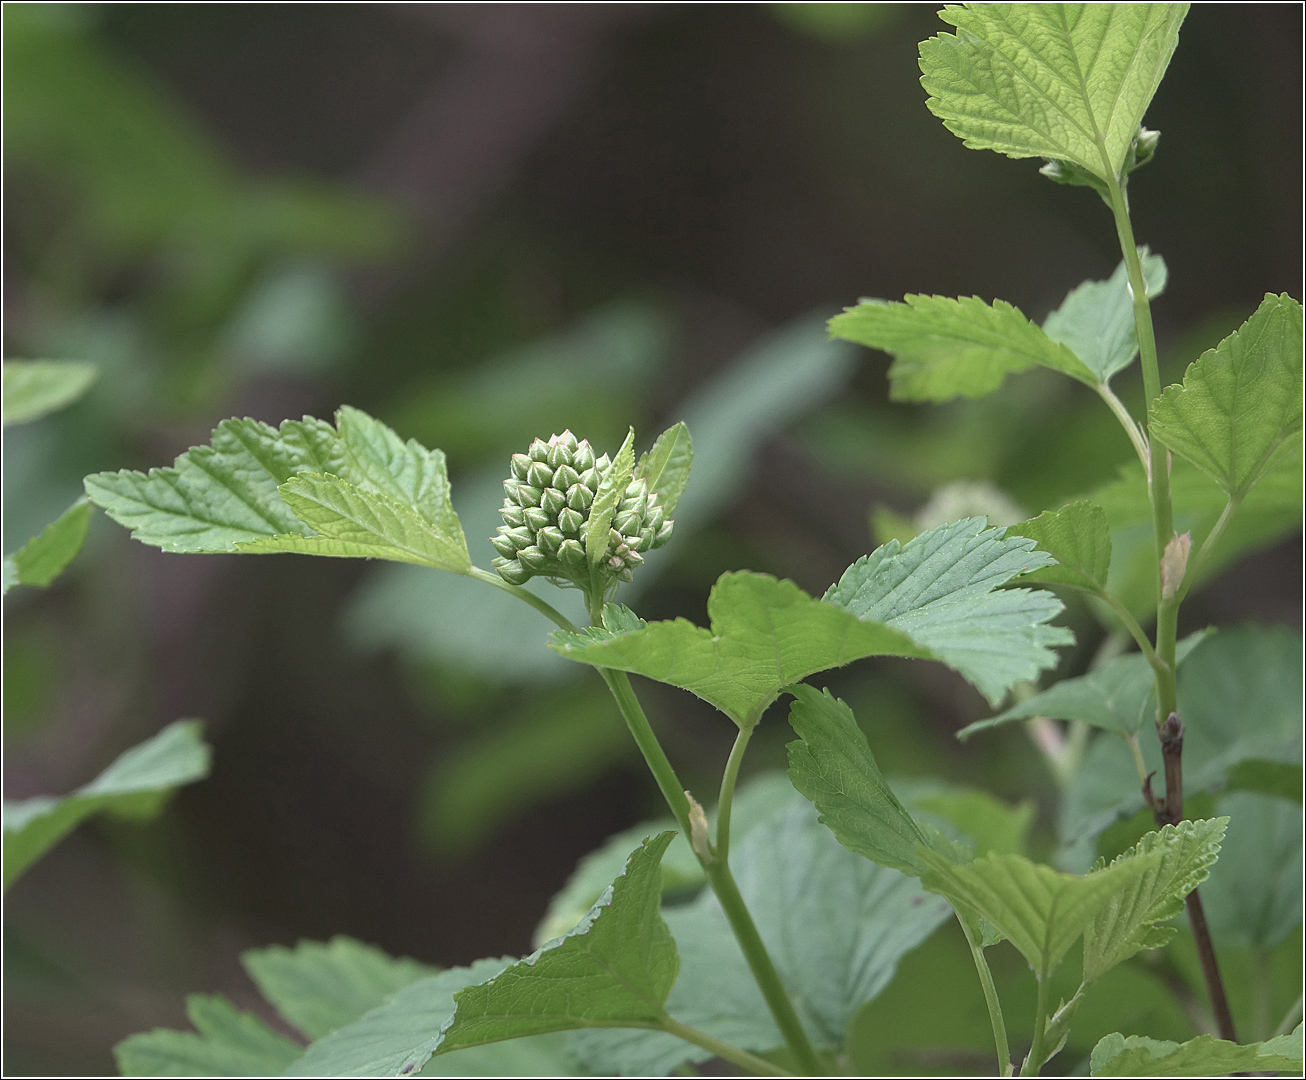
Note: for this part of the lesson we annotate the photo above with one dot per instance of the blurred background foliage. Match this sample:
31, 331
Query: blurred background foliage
483, 223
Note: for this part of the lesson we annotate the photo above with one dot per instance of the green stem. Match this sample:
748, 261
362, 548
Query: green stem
754, 1064
1139, 763
542, 606
1126, 620
726, 801
1290, 1020
1135, 433
759, 962
991, 1000
1203, 553
1034, 1061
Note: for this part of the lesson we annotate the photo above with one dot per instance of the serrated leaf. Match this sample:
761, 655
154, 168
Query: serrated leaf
943, 348
45, 557
1041, 911
1069, 82
765, 634
321, 986
940, 590
1137, 1055
835, 925
228, 1043
1239, 409
1128, 922
34, 388
615, 969
351, 522
612, 486
1096, 319
1119, 696
1078, 537
397, 1037
134, 785
666, 466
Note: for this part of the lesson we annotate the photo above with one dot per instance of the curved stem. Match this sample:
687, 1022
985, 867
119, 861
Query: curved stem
542, 606
1126, 620
1290, 1020
1034, 1060
1127, 422
726, 801
754, 1064
991, 1000
1203, 552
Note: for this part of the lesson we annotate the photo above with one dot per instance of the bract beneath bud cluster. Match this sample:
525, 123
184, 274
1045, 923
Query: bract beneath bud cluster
547, 516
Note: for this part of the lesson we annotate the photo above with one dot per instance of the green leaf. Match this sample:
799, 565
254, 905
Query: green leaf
836, 927
834, 768
939, 590
765, 634
666, 466
33, 388
1137, 1055
970, 815
319, 987
370, 493
1119, 696
228, 1043
44, 557
943, 348
1096, 319
1127, 924
1239, 410
398, 1036
1040, 910
1280, 778
537, 1055
1069, 82
612, 486
134, 786
1078, 537
616, 968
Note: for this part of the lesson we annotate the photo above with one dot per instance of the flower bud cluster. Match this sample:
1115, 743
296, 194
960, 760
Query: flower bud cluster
547, 516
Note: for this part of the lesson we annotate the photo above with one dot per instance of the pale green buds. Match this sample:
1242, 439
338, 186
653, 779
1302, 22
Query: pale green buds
546, 517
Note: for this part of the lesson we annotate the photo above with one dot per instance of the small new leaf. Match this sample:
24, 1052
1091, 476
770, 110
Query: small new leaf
666, 466
1239, 410
1069, 82
45, 557
226, 1042
943, 348
35, 388
612, 486
1078, 537
1137, 1055
615, 969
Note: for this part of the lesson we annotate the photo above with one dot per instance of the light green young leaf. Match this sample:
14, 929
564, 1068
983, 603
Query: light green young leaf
228, 1043
1128, 922
1078, 537
1239, 410
836, 927
615, 969
34, 388
1040, 910
943, 348
1096, 319
43, 558
319, 987
612, 486
133, 786
351, 522
939, 590
666, 466
1069, 82
765, 634
1137, 1055
1118, 696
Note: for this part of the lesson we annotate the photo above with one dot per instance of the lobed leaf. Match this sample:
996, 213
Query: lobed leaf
226, 1042
943, 348
35, 388
612, 486
1078, 537
666, 466
765, 634
1239, 410
1137, 1055
45, 557
939, 590
133, 785
1096, 319
1070, 82
1128, 922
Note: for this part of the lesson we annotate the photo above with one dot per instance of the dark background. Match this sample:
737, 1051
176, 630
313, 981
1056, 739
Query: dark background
268, 210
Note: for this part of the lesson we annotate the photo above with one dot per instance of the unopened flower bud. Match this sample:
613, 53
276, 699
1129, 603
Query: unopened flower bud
532, 557
569, 522
536, 518
513, 515
564, 477
512, 571
539, 451
550, 539
551, 501
520, 465
579, 497
582, 457
527, 495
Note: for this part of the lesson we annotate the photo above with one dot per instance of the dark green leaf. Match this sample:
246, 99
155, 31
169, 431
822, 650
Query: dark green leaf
1279, 778
1078, 537
34, 388
228, 1043
1137, 1055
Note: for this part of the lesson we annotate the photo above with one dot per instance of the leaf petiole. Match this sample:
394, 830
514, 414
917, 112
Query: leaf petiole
757, 1065
991, 1000
1035, 1058
1133, 429
1204, 549
725, 802
542, 606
